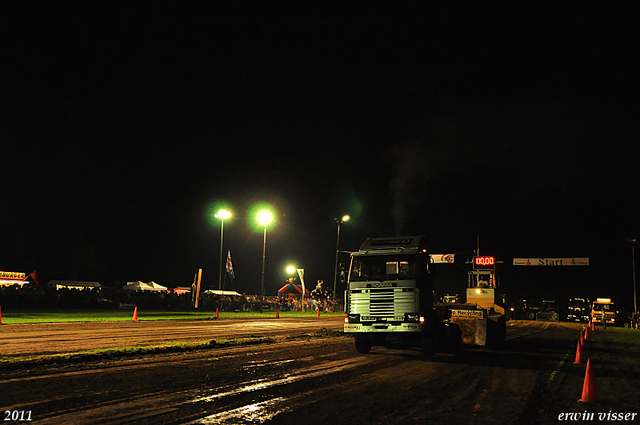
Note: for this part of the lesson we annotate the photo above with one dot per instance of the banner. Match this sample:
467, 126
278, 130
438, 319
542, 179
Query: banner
301, 274
12, 275
478, 314
442, 258
575, 261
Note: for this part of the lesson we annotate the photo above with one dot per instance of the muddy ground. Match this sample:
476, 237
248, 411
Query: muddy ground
59, 338
311, 375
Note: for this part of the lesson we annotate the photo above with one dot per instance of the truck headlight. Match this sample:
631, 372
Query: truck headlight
412, 317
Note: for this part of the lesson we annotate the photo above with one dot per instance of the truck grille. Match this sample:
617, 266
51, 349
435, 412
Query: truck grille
384, 302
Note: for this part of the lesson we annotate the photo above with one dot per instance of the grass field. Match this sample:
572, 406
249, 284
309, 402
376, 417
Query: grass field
619, 347
615, 357
62, 316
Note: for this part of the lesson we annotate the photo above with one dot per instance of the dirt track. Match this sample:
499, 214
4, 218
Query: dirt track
313, 379
61, 338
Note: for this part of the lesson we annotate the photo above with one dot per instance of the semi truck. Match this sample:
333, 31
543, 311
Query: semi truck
389, 298
600, 307
578, 310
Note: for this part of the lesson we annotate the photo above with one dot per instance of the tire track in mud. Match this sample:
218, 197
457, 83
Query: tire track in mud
457, 393
522, 328
196, 402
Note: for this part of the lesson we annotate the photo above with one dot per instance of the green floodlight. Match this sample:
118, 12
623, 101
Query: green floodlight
218, 210
265, 217
345, 218
291, 269
223, 215
261, 215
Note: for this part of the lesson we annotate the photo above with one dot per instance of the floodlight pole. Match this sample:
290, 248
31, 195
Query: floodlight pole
264, 218
633, 268
222, 215
264, 251
220, 263
335, 270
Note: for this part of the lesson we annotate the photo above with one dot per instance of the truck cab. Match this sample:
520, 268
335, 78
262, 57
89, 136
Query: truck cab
602, 311
578, 310
389, 297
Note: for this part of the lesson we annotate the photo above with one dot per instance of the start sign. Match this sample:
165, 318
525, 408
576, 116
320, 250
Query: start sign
486, 262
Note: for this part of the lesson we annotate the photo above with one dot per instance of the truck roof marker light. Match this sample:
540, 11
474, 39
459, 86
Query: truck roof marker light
346, 319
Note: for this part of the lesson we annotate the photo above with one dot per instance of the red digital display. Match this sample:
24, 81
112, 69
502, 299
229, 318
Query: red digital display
484, 262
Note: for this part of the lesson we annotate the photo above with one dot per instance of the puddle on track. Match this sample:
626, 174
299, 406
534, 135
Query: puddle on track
255, 413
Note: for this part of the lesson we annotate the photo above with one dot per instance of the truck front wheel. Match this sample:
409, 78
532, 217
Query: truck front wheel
428, 345
363, 343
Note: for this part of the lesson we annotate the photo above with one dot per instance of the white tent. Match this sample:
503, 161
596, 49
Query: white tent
142, 286
157, 286
225, 293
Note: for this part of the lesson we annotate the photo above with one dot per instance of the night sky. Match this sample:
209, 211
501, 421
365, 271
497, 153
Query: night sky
127, 124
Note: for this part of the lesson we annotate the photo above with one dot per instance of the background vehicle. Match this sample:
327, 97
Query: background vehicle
578, 310
525, 310
389, 298
548, 311
603, 305
449, 299
536, 310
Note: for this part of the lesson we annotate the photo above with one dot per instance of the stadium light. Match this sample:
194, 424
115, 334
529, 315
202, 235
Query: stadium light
335, 270
265, 217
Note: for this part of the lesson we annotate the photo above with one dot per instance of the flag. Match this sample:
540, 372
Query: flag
229, 267
34, 276
301, 274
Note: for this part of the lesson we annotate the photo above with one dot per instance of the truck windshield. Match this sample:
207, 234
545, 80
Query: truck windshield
383, 267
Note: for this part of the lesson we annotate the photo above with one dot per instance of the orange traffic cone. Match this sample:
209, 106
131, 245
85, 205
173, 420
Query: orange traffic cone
581, 339
589, 392
579, 359
135, 314
277, 313
318, 312
587, 333
217, 313
593, 325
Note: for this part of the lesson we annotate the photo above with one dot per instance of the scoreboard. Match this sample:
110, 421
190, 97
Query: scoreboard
484, 263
